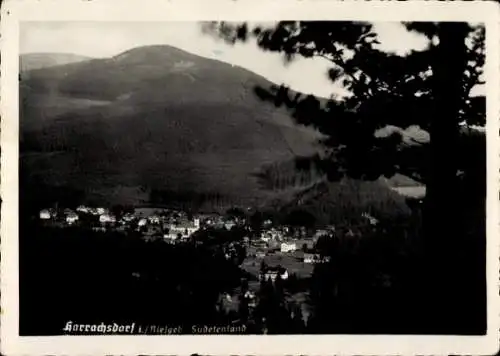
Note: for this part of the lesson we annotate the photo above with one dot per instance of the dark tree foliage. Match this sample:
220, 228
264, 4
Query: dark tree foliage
235, 212
300, 218
78, 275
365, 136
272, 309
388, 89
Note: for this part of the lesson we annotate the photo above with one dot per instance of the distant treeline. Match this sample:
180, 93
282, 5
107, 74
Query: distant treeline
283, 175
191, 200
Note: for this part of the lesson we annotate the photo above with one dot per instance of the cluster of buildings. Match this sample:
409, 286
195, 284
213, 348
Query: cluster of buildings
286, 241
71, 217
176, 226
295, 247
181, 229
171, 225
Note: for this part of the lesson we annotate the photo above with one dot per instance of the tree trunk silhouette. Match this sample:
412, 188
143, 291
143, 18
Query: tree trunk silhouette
443, 240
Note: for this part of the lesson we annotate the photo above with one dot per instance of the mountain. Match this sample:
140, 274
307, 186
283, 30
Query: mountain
156, 121
31, 61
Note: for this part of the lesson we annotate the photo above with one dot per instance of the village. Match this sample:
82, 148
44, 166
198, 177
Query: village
174, 226
271, 252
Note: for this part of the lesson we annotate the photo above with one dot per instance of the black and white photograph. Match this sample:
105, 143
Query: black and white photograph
236, 177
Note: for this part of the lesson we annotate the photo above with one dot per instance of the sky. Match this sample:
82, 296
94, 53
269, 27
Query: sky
106, 39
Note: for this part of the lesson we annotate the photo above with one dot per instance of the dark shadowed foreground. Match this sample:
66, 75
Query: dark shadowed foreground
372, 284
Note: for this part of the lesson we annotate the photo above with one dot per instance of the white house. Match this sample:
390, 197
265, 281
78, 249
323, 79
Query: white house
100, 211
127, 218
71, 218
309, 258
107, 218
45, 214
154, 219
83, 209
265, 237
97, 211
142, 222
249, 294
185, 229
288, 247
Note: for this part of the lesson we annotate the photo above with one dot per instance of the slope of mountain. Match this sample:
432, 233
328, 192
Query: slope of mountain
154, 118
32, 61
348, 199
